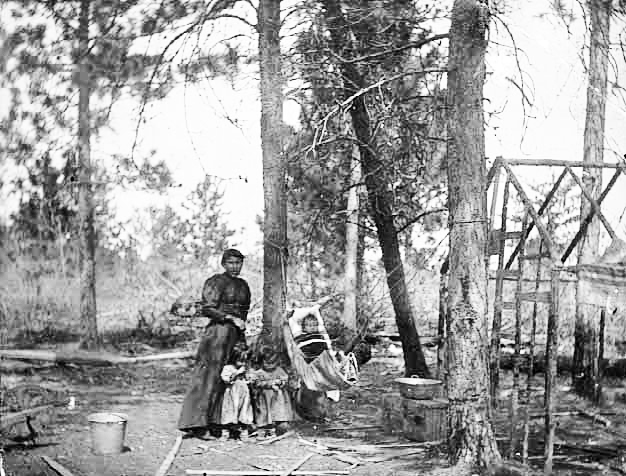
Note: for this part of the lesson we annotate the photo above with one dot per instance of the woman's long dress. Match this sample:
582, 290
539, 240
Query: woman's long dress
222, 295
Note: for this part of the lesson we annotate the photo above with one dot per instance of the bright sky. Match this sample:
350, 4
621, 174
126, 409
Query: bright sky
213, 127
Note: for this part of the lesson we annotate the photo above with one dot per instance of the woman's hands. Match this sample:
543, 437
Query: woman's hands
239, 323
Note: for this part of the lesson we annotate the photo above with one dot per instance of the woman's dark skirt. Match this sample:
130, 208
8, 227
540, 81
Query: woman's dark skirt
201, 408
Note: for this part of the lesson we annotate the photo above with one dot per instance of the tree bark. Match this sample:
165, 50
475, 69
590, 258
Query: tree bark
378, 198
351, 290
584, 378
274, 171
472, 440
86, 235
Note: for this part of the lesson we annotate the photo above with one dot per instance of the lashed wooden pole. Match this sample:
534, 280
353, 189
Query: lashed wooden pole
552, 340
531, 361
518, 341
496, 326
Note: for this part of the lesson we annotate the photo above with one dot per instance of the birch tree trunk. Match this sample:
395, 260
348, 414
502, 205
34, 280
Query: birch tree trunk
472, 441
584, 374
86, 235
274, 170
351, 289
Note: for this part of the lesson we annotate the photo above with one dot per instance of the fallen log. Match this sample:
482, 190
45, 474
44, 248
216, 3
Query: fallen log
612, 368
9, 419
89, 358
18, 367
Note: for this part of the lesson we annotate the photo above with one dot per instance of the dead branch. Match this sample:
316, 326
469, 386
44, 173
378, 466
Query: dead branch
289, 471
169, 459
59, 468
277, 438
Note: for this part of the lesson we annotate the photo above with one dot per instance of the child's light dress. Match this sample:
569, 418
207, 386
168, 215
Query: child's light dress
236, 405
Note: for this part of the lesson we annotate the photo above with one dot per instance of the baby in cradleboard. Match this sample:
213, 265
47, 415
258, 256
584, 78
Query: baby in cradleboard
237, 413
272, 401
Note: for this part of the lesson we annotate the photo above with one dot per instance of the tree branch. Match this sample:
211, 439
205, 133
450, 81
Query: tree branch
419, 217
408, 46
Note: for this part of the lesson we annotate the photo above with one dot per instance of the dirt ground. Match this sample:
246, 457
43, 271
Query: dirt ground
151, 395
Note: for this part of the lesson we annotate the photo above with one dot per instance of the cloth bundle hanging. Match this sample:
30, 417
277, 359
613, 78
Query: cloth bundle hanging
324, 373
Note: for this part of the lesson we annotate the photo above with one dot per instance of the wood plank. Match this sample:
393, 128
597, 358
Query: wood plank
509, 274
536, 256
544, 297
504, 305
508, 306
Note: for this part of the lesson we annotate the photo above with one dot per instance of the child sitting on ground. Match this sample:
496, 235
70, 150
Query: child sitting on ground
237, 411
272, 404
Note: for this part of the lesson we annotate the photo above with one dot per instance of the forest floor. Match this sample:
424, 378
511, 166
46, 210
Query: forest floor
151, 395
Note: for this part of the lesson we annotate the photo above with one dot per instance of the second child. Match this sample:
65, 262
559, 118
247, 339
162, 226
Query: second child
237, 411
272, 402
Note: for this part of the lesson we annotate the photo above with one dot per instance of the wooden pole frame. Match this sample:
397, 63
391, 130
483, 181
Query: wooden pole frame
555, 267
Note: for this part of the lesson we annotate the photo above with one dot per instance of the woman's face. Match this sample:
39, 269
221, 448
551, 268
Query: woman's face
233, 265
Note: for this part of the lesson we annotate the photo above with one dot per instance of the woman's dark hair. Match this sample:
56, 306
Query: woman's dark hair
231, 253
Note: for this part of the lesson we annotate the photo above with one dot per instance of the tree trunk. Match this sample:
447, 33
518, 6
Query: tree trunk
274, 170
351, 290
379, 199
584, 378
86, 234
472, 439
